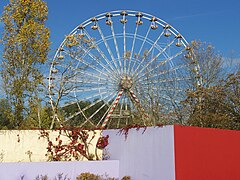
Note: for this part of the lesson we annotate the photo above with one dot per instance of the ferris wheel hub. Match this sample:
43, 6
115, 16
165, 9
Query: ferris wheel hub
126, 83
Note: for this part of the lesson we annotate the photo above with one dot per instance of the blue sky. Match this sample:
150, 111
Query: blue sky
213, 21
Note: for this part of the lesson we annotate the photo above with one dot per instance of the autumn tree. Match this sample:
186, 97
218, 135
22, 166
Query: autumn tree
219, 106
26, 45
216, 102
210, 62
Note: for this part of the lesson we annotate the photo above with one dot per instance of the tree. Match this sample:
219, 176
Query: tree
5, 122
26, 45
41, 118
219, 106
216, 102
210, 62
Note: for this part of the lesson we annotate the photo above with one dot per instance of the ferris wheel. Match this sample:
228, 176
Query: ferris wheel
120, 68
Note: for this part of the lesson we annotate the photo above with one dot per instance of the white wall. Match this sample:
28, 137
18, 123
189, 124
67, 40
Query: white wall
30, 170
143, 155
16, 145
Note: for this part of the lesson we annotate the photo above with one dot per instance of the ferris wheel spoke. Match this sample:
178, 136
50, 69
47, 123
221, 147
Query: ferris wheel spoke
91, 66
108, 49
145, 38
129, 108
96, 111
68, 104
89, 81
162, 72
160, 64
124, 45
161, 92
102, 118
167, 80
89, 118
95, 78
134, 39
152, 55
85, 122
108, 96
101, 53
87, 52
87, 89
76, 113
124, 109
140, 50
152, 46
98, 77
155, 42
107, 112
124, 40
116, 45
94, 96
87, 107
133, 46
162, 88
157, 96
120, 113
152, 60
94, 86
110, 75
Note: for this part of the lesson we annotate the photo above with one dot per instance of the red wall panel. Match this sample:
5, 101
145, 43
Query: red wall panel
206, 154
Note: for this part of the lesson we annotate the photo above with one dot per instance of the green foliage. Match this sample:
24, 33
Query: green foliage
5, 121
79, 119
40, 118
26, 45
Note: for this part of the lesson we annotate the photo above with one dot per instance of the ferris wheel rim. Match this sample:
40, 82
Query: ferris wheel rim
134, 36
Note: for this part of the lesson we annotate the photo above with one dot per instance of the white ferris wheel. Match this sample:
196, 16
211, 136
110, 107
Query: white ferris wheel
120, 68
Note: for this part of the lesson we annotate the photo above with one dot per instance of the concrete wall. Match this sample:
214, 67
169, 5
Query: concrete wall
26, 146
146, 154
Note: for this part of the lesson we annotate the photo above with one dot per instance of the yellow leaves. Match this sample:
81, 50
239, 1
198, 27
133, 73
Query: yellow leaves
23, 10
219, 105
26, 45
7, 8
39, 10
25, 35
127, 54
194, 43
71, 41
